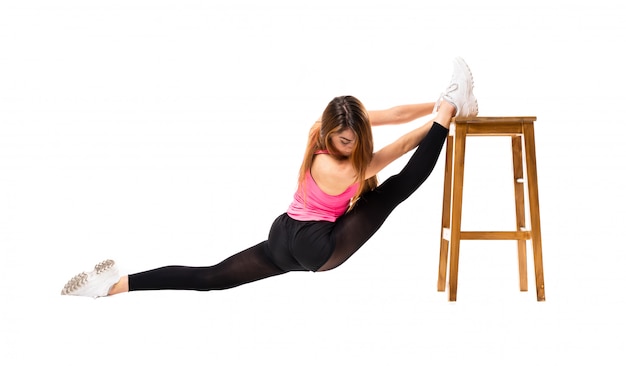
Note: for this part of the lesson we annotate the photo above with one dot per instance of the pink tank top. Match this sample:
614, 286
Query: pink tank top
310, 203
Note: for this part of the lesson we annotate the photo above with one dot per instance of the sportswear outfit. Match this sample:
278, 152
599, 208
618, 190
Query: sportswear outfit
315, 232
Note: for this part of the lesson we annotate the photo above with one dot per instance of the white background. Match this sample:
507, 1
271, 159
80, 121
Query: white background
171, 132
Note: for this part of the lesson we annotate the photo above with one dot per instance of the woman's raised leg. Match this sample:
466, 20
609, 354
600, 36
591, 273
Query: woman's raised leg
372, 209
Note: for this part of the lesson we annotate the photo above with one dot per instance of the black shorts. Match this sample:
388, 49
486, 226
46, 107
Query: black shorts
299, 245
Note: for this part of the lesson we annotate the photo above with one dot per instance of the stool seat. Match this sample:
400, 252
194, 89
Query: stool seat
521, 131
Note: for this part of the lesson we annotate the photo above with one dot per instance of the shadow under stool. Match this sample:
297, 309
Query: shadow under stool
521, 131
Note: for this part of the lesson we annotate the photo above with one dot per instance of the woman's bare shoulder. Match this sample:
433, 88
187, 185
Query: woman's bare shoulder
333, 176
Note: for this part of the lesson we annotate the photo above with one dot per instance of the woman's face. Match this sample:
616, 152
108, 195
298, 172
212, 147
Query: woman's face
344, 141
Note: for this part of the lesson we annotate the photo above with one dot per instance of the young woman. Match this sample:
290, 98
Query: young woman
338, 205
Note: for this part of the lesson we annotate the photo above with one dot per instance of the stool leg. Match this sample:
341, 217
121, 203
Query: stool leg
533, 201
457, 200
520, 209
445, 215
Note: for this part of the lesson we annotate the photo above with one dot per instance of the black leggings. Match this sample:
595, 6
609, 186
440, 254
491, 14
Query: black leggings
305, 245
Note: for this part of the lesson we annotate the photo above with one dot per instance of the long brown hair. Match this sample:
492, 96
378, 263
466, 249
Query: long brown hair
341, 113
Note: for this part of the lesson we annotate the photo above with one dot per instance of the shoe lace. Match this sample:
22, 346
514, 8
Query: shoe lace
452, 87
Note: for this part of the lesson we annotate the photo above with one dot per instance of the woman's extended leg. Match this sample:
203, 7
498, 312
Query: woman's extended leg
370, 212
247, 266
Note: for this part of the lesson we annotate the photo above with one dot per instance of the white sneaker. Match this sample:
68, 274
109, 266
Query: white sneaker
460, 92
96, 283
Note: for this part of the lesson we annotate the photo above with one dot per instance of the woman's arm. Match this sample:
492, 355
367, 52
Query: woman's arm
396, 149
395, 115
400, 114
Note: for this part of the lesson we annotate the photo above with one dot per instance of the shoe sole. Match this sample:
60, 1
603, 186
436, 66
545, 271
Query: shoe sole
104, 266
81, 279
74, 284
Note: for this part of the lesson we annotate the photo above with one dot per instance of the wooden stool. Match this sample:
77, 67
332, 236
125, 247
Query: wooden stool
521, 131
